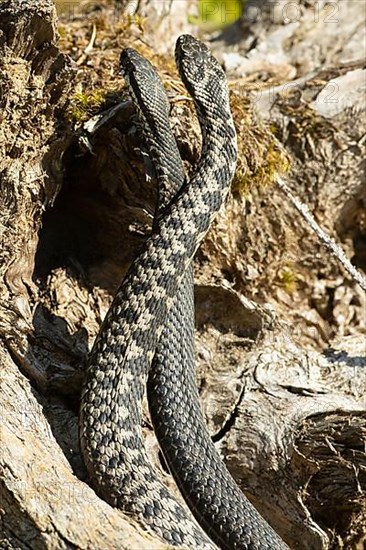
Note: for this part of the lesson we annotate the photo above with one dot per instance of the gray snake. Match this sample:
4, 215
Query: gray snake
155, 292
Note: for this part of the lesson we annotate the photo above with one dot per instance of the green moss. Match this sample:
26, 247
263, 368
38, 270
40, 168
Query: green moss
260, 154
288, 279
83, 105
274, 162
62, 31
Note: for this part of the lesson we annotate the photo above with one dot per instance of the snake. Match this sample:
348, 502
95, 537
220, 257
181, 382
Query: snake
131, 352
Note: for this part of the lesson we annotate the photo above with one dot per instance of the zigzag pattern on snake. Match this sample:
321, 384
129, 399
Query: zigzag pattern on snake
110, 420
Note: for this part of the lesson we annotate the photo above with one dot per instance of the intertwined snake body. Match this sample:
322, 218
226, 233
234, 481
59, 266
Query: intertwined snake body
155, 293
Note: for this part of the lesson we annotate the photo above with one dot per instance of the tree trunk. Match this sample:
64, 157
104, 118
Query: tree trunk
280, 327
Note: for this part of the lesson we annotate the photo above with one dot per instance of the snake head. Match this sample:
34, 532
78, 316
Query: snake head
143, 81
131, 62
196, 64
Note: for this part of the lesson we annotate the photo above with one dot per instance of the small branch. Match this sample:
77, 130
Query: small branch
89, 48
331, 245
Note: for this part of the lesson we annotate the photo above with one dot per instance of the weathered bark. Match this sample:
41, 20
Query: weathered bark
289, 419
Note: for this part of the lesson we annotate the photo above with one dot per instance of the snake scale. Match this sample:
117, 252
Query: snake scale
141, 335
